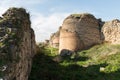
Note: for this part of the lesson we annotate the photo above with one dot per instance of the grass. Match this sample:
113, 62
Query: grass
76, 15
101, 62
79, 15
104, 53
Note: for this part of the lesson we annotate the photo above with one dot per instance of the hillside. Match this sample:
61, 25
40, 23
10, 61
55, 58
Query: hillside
84, 48
101, 62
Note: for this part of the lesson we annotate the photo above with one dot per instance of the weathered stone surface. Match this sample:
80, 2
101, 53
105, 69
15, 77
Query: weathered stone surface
17, 45
54, 39
79, 31
111, 31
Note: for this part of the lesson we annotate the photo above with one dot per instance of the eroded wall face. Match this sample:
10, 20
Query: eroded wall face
69, 41
111, 31
17, 45
79, 32
54, 39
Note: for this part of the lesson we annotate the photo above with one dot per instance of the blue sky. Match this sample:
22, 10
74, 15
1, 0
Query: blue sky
48, 15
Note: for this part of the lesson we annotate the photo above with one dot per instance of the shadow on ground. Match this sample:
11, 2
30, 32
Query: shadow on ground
44, 68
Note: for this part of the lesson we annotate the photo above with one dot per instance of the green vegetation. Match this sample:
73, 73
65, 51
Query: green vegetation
76, 15
104, 53
79, 15
101, 62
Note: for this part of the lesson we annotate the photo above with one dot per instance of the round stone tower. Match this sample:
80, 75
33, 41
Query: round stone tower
79, 31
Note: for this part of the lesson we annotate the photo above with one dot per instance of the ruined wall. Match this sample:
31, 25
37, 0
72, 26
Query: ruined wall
17, 45
79, 31
69, 41
54, 39
111, 31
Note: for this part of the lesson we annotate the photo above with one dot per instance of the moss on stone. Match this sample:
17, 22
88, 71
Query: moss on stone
76, 15
82, 15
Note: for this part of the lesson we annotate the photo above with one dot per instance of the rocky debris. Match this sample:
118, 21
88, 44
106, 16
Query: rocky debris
17, 45
79, 31
66, 52
111, 31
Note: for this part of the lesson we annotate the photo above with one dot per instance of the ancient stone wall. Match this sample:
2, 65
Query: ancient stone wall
17, 45
54, 39
69, 41
111, 31
79, 31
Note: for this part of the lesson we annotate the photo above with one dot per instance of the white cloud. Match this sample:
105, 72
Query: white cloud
45, 25
5, 4
42, 25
